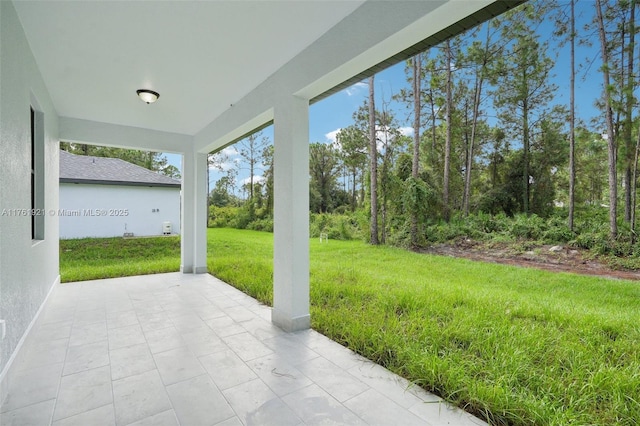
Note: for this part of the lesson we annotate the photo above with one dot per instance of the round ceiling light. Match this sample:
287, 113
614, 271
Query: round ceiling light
148, 96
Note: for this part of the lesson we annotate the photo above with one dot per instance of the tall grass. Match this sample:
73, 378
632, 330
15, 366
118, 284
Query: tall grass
514, 346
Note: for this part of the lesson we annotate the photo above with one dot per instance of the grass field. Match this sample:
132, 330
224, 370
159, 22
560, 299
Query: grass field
514, 346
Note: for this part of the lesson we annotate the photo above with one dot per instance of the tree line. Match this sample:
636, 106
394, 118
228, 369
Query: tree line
489, 132
153, 161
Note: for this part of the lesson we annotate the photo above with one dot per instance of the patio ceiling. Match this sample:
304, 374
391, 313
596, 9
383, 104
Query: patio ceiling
200, 56
204, 57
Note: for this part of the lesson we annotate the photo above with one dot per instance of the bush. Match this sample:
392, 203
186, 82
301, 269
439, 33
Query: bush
586, 240
223, 217
496, 200
557, 233
265, 225
443, 232
528, 227
337, 227
487, 223
401, 237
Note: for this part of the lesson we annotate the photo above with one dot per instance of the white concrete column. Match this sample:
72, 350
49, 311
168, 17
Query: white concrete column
193, 218
291, 215
200, 215
186, 212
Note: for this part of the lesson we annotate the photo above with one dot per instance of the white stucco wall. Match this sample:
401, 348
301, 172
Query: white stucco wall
28, 269
111, 210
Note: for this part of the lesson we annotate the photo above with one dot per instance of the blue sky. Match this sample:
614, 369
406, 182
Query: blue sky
336, 111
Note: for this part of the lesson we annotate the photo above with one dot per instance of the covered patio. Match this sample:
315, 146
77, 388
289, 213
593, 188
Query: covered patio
222, 69
186, 347
176, 349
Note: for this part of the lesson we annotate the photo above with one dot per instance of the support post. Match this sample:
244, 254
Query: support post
200, 215
193, 244
291, 215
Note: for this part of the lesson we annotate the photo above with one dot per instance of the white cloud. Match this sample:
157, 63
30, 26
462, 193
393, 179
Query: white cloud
226, 159
332, 136
381, 135
256, 179
230, 151
387, 136
229, 165
355, 89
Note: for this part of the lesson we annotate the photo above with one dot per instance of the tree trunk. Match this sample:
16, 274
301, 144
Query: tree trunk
494, 168
630, 187
383, 207
251, 180
353, 189
384, 179
633, 192
611, 143
626, 125
525, 155
469, 165
373, 163
572, 119
415, 166
447, 146
474, 127
434, 135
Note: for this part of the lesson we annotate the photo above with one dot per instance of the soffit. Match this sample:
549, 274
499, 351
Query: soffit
201, 56
465, 23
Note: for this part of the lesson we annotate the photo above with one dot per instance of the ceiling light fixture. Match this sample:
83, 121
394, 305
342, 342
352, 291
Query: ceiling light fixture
148, 96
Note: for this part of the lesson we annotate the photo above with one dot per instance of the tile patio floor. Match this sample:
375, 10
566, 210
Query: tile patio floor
190, 350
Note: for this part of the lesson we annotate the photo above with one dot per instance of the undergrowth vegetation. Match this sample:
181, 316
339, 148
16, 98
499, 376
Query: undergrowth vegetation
513, 346
345, 226
591, 230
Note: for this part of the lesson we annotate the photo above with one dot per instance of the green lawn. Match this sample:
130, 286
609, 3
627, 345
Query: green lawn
98, 258
514, 346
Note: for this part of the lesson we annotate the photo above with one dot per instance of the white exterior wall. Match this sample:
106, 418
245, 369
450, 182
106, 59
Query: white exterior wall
28, 269
146, 210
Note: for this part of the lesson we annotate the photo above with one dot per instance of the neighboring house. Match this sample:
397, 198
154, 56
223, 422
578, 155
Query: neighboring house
109, 197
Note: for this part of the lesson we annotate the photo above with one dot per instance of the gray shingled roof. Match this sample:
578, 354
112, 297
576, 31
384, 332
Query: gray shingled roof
108, 171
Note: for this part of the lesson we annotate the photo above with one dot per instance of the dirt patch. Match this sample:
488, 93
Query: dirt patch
549, 258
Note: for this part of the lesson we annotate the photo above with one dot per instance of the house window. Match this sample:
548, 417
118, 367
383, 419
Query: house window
37, 175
